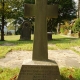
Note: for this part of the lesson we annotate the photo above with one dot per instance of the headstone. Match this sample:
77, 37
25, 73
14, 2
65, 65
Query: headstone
78, 8
49, 35
58, 28
0, 31
69, 33
40, 67
25, 31
5, 30
79, 34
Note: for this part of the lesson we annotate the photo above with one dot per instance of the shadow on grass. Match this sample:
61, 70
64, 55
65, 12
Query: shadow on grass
63, 40
53, 41
13, 43
64, 78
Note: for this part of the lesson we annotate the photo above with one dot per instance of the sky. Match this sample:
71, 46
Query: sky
76, 1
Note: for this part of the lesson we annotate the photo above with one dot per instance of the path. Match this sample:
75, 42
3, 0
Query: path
64, 58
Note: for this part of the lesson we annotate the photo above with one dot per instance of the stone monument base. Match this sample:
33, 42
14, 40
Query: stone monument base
39, 70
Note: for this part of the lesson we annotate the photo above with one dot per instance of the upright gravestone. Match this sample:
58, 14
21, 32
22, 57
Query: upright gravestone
58, 28
0, 31
40, 67
69, 33
25, 31
79, 34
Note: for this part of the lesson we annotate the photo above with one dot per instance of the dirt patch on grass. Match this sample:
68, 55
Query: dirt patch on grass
64, 58
77, 48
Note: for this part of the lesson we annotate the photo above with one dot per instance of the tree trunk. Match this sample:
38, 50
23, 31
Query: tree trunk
2, 29
78, 8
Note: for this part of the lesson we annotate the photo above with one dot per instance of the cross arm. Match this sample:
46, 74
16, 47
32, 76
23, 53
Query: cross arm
29, 10
52, 10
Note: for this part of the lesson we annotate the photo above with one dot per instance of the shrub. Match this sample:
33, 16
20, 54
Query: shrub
76, 26
64, 29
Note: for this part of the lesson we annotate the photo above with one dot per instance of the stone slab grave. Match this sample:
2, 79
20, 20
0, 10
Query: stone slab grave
40, 67
25, 31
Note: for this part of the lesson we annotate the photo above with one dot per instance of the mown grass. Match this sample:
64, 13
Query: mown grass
13, 43
65, 73
64, 42
9, 74
58, 42
70, 73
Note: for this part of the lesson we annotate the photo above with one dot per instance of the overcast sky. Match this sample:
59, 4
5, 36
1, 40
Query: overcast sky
76, 1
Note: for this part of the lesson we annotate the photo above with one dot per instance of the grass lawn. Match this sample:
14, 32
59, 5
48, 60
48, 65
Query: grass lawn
9, 74
66, 74
59, 42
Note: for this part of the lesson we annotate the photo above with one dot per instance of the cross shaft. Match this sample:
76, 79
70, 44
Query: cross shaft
41, 11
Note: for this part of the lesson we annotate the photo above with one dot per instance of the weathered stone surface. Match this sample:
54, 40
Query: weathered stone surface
39, 70
41, 11
25, 31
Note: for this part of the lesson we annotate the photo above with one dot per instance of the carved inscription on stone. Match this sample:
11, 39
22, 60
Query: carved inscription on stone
38, 73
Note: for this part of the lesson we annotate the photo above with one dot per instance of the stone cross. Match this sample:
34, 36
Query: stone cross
40, 67
40, 10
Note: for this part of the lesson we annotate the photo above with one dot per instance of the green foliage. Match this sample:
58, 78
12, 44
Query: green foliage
76, 27
12, 8
62, 29
66, 11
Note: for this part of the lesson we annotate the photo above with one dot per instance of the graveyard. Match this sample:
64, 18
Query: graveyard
59, 43
46, 40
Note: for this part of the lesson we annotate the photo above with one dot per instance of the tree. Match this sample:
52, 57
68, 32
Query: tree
76, 27
10, 9
2, 28
78, 8
66, 11
14, 9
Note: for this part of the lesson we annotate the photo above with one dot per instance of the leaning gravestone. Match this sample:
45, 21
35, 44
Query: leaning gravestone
40, 67
25, 31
